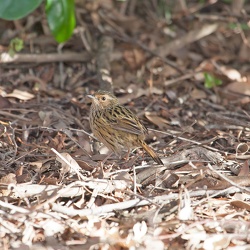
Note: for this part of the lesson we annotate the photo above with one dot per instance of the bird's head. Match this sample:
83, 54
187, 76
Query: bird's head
103, 99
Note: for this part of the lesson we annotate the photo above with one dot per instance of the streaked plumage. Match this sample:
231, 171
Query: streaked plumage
116, 126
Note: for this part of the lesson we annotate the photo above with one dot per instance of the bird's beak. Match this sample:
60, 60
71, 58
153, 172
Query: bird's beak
91, 97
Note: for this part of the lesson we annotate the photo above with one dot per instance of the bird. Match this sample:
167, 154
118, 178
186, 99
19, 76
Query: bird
116, 126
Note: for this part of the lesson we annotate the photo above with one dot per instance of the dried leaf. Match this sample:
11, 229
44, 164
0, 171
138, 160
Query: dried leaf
58, 141
21, 95
231, 73
241, 204
7, 179
24, 178
65, 167
50, 180
87, 165
244, 170
216, 242
157, 120
198, 94
242, 148
186, 212
140, 230
134, 58
37, 164
51, 227
239, 88
46, 117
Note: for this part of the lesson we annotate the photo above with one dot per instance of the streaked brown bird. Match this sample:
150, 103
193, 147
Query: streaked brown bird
116, 126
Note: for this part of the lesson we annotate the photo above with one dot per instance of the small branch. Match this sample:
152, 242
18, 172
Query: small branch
133, 203
103, 63
28, 190
233, 183
190, 37
5, 58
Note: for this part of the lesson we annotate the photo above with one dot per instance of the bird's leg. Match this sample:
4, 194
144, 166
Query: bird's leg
127, 155
142, 154
103, 162
129, 162
106, 158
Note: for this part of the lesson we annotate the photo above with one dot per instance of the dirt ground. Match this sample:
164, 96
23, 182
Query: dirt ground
183, 68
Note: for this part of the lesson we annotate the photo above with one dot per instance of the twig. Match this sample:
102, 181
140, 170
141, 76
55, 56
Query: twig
216, 194
130, 204
181, 78
220, 118
14, 208
190, 37
247, 190
69, 164
134, 180
66, 131
186, 139
7, 114
105, 49
74, 189
20, 157
5, 58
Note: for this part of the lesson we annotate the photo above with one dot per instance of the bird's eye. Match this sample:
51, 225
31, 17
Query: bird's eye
103, 98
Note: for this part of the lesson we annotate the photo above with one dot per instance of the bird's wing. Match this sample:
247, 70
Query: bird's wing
121, 118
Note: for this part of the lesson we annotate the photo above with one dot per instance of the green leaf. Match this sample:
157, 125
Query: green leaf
211, 81
61, 18
16, 9
242, 26
16, 45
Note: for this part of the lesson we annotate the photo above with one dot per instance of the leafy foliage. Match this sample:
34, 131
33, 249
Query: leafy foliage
60, 14
242, 26
13, 10
61, 18
16, 45
211, 81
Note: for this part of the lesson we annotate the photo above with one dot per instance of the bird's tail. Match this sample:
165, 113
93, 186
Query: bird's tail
152, 153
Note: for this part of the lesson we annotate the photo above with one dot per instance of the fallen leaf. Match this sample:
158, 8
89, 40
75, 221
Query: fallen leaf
231, 73
37, 164
198, 94
216, 242
21, 95
87, 165
65, 167
239, 88
134, 58
135, 92
242, 148
58, 141
240, 204
157, 120
244, 170
7, 179
50, 180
